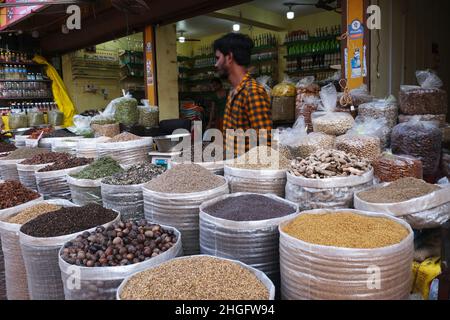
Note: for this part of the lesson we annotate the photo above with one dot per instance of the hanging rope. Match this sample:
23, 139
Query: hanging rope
346, 99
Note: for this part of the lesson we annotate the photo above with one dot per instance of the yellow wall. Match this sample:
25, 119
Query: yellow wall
167, 71
185, 49
76, 88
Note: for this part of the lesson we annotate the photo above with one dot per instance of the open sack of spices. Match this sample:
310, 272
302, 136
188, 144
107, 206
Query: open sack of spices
126, 148
27, 168
365, 139
85, 185
283, 101
121, 250
422, 205
427, 98
331, 255
14, 197
8, 164
199, 277
51, 180
87, 148
208, 159
122, 191
262, 170
244, 227
10, 224
307, 100
174, 198
327, 179
41, 240
419, 139
327, 120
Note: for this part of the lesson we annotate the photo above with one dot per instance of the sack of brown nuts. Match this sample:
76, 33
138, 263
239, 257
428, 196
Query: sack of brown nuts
421, 140
390, 167
428, 98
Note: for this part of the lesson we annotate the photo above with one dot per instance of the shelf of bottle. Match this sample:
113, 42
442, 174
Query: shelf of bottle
273, 61
300, 71
128, 52
196, 81
312, 40
31, 64
306, 55
132, 78
11, 80
183, 70
260, 74
202, 69
24, 98
265, 49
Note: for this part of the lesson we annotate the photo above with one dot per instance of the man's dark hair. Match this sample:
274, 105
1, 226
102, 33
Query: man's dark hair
239, 44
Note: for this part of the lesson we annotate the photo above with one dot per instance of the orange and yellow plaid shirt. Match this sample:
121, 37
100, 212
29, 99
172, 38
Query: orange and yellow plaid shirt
248, 107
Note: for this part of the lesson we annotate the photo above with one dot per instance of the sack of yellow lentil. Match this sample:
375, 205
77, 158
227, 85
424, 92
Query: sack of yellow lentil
345, 255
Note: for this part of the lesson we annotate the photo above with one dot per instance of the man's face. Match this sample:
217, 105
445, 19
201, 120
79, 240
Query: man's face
222, 64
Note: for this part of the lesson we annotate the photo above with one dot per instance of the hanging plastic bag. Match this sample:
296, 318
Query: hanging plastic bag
328, 121
82, 125
428, 98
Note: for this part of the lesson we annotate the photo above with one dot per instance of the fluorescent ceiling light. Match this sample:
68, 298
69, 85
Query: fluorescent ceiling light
182, 39
236, 27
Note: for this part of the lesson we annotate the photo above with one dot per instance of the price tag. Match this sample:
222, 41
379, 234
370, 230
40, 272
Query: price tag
352, 108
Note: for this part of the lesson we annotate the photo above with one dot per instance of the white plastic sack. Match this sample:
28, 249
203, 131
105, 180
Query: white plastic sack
87, 148
41, 263
85, 191
427, 212
19, 141
101, 283
16, 288
259, 274
180, 211
27, 174
8, 169
128, 200
66, 146
53, 184
254, 243
256, 181
15, 273
314, 272
127, 153
332, 193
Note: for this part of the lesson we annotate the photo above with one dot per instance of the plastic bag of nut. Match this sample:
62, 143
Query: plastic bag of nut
421, 140
427, 98
445, 163
381, 109
359, 96
101, 283
307, 101
328, 121
290, 138
438, 119
390, 167
327, 179
364, 139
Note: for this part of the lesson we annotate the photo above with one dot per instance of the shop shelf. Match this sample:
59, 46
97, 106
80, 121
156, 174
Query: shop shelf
311, 40
265, 49
310, 71
23, 98
273, 61
306, 55
202, 69
30, 64
3, 80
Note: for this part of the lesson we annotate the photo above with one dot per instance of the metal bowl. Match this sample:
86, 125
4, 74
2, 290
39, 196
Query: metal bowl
169, 143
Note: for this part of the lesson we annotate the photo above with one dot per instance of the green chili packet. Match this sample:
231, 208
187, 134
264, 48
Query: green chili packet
103, 167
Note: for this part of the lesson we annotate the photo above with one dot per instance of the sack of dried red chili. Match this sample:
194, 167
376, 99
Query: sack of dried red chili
13, 193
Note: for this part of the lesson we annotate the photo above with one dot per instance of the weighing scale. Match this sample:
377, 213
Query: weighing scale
164, 159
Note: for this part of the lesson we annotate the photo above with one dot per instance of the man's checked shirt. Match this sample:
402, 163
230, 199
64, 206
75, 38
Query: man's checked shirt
248, 107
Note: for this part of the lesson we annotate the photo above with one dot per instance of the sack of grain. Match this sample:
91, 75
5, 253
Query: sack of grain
377, 268
126, 152
53, 184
